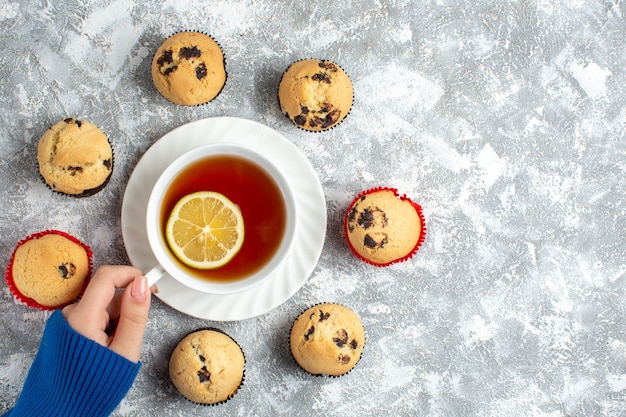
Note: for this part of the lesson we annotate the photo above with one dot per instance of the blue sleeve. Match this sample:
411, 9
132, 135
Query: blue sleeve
73, 376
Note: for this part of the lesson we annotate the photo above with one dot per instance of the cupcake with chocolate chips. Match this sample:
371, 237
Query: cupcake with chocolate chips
315, 94
327, 339
207, 367
49, 269
383, 227
189, 69
75, 158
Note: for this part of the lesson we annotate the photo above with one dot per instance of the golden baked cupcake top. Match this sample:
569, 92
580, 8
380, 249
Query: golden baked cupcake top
327, 339
49, 269
207, 367
75, 157
189, 68
315, 94
383, 227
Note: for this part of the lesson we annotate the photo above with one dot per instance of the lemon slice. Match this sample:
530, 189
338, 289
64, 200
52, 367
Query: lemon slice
205, 230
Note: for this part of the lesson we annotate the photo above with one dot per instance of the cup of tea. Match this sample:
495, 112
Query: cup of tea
255, 186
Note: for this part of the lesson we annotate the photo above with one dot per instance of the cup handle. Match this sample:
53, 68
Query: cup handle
154, 275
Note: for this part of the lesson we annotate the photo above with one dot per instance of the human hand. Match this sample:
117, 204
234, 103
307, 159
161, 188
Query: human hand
112, 318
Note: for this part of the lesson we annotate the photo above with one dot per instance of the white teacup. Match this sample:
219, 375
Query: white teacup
249, 168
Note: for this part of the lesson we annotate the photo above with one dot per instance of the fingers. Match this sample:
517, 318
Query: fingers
100, 305
112, 318
134, 308
103, 285
114, 307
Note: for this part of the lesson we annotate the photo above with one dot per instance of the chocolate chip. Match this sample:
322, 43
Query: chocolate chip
62, 271
202, 358
67, 270
72, 120
327, 65
107, 163
369, 217
170, 70
316, 121
341, 337
345, 359
166, 58
354, 344
304, 109
327, 107
201, 71
331, 118
309, 332
300, 120
366, 219
75, 170
321, 77
372, 243
188, 53
204, 375
324, 316
351, 217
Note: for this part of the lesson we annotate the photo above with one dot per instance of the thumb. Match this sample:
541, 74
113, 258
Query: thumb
134, 308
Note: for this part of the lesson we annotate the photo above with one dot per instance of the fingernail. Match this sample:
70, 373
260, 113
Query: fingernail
139, 290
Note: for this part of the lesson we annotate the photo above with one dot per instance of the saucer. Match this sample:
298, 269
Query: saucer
311, 220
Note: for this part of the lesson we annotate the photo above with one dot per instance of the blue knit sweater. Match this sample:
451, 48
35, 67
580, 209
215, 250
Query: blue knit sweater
73, 376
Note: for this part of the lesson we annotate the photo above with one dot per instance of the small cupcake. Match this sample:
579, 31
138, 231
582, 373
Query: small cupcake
49, 269
207, 367
383, 228
189, 69
315, 94
75, 158
327, 339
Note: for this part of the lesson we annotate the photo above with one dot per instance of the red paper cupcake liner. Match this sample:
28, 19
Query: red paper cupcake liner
402, 197
29, 301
